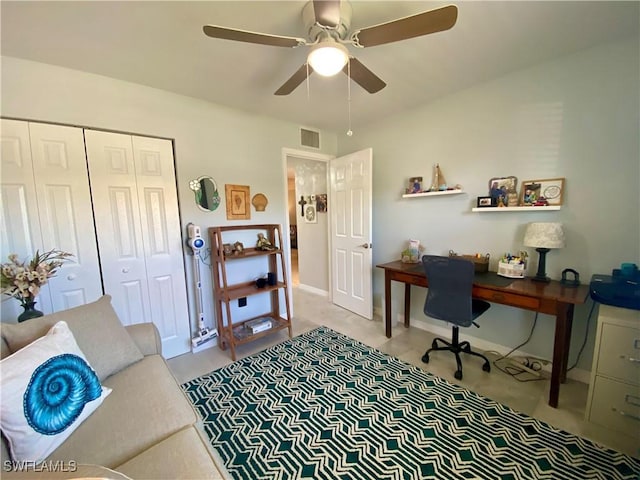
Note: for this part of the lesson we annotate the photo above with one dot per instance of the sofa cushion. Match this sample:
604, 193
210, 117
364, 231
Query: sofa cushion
145, 407
95, 326
48, 390
183, 455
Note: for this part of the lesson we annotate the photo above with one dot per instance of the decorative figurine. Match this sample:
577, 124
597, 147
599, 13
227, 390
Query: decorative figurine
264, 243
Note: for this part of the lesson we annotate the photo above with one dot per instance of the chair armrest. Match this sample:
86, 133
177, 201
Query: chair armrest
146, 337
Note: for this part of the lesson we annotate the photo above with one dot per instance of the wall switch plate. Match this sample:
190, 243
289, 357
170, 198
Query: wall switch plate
242, 302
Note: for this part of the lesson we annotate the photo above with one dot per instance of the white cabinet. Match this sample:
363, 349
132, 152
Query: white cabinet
115, 208
134, 194
614, 391
46, 204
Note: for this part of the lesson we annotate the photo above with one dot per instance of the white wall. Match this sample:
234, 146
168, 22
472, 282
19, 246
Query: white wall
231, 146
577, 117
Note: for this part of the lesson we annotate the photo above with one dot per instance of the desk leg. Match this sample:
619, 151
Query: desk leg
387, 304
407, 304
561, 344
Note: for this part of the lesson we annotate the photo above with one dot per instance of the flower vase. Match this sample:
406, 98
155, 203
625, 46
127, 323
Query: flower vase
29, 312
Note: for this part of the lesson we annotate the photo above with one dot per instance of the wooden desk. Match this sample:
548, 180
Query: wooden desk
551, 298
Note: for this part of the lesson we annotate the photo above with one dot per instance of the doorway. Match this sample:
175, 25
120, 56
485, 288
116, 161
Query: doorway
328, 193
307, 177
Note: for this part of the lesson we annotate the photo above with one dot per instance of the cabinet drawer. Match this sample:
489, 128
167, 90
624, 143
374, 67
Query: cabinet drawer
616, 405
520, 301
620, 353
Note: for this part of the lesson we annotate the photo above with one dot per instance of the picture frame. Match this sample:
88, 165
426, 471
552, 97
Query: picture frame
238, 202
486, 201
415, 185
321, 203
543, 192
505, 188
310, 213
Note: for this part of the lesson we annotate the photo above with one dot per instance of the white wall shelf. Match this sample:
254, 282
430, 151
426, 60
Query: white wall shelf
516, 209
456, 191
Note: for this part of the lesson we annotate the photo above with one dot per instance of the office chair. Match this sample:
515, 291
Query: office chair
449, 299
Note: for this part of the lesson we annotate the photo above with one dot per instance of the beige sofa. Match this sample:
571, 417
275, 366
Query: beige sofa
146, 427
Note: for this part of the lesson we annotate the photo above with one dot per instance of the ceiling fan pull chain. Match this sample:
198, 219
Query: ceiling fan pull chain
349, 132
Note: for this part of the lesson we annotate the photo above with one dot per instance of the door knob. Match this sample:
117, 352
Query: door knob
125, 270
71, 277
366, 245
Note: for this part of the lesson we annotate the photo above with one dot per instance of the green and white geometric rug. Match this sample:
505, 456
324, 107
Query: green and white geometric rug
325, 406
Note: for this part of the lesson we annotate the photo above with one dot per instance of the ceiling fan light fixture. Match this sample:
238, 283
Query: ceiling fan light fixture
328, 57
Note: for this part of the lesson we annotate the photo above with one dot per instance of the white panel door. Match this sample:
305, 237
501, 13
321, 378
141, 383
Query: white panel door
66, 218
136, 209
162, 240
118, 226
19, 223
351, 255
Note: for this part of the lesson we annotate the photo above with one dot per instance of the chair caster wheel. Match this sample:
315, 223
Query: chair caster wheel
458, 374
425, 358
486, 367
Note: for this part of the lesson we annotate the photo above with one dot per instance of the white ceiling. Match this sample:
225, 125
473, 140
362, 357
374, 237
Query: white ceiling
161, 44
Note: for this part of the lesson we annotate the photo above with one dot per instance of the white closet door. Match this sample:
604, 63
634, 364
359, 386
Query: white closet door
136, 207
117, 217
162, 240
66, 218
19, 223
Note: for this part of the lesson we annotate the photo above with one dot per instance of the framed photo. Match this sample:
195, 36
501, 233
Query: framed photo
504, 188
415, 185
310, 215
486, 202
321, 202
238, 202
542, 192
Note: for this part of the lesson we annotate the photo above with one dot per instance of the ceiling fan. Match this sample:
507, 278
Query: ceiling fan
328, 23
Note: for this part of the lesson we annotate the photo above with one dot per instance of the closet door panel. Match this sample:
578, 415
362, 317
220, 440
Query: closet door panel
19, 222
118, 224
162, 239
66, 217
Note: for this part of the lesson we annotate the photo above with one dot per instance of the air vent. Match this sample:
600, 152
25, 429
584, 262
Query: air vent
309, 138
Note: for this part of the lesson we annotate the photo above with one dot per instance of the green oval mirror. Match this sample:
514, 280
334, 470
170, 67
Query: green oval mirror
206, 193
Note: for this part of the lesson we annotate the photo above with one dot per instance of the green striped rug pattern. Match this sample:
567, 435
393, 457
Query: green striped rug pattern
325, 406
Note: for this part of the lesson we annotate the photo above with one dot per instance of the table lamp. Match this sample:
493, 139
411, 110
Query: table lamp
544, 237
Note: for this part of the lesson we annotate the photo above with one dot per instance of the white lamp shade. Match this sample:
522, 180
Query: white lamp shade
328, 57
544, 235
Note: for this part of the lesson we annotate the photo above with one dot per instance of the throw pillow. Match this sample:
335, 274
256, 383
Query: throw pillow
97, 329
47, 389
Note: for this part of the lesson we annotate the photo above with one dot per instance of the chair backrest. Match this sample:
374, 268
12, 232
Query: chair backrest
450, 286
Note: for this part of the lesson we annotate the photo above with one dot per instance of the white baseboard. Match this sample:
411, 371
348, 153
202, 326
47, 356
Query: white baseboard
314, 290
577, 374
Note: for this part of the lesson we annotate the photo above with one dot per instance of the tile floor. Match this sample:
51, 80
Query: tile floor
409, 345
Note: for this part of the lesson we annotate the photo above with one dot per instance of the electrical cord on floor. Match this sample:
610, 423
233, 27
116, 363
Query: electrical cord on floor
586, 334
528, 366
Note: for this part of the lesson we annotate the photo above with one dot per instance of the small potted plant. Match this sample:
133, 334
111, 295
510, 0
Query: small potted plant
23, 280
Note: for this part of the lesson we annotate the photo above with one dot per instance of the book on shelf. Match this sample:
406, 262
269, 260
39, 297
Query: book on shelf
259, 324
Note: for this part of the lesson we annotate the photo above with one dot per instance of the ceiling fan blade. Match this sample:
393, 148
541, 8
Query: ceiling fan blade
252, 37
363, 76
295, 80
327, 12
424, 23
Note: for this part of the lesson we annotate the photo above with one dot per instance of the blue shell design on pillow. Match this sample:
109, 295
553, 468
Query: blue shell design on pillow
57, 393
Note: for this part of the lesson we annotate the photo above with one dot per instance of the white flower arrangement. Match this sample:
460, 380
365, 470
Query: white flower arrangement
23, 280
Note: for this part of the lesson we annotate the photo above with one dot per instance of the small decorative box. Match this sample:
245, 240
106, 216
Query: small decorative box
512, 270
